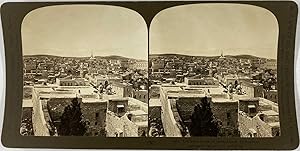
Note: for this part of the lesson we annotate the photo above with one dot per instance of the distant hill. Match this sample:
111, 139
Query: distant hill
244, 57
112, 57
49, 56
170, 54
228, 56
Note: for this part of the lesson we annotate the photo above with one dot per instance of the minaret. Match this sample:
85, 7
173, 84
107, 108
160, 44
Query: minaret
222, 56
92, 55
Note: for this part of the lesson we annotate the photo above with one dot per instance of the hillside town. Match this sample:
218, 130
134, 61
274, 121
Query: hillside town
85, 96
222, 96
108, 96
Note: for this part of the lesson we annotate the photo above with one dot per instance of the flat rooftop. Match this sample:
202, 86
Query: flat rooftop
83, 89
142, 124
274, 124
270, 113
240, 97
186, 95
92, 100
222, 100
154, 102
138, 112
43, 89
170, 88
203, 86
27, 103
249, 99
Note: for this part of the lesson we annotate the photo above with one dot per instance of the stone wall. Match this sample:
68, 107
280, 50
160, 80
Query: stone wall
141, 95
38, 120
154, 112
169, 123
56, 107
186, 106
95, 125
95, 115
227, 112
27, 121
271, 95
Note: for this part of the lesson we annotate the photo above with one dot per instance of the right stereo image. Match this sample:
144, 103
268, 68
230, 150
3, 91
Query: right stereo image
213, 72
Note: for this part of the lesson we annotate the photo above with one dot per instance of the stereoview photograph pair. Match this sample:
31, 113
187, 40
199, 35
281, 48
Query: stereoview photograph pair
84, 74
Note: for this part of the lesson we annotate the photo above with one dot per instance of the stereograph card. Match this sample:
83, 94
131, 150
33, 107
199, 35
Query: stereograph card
150, 75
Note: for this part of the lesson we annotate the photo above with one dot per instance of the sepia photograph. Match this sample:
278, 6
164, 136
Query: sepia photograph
217, 75
85, 72
213, 72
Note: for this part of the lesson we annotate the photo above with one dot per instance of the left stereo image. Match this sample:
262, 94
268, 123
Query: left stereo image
85, 72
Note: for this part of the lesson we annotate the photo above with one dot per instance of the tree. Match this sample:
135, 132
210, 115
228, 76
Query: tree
203, 121
105, 84
71, 120
236, 83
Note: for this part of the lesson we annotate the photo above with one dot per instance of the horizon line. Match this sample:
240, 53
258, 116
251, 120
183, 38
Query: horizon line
207, 55
24, 55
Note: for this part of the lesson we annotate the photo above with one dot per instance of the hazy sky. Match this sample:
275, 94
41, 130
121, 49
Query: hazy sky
79, 29
207, 29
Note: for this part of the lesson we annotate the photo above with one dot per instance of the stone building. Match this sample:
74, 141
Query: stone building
71, 82
252, 89
50, 102
271, 64
140, 65
122, 89
119, 106
141, 95
101, 79
265, 123
271, 95
230, 79
159, 64
178, 106
250, 106
226, 110
198, 80
94, 113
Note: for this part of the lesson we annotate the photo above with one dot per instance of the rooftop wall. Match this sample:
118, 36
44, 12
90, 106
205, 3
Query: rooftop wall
171, 127
39, 123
